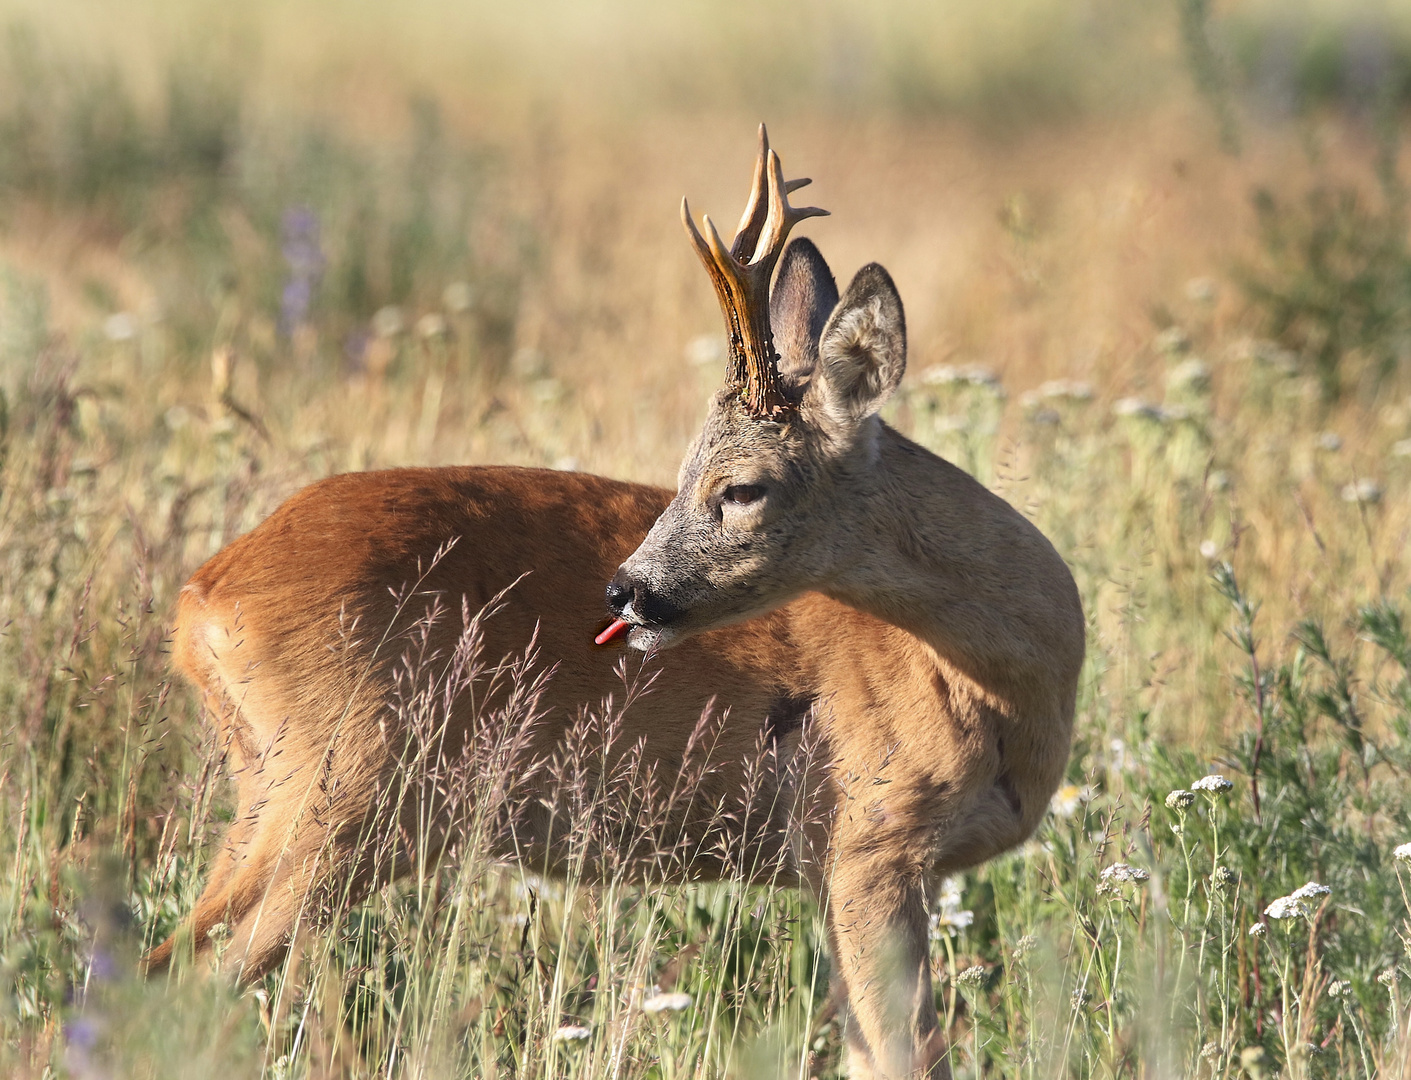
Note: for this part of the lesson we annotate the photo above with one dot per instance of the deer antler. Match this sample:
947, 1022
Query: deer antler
741, 277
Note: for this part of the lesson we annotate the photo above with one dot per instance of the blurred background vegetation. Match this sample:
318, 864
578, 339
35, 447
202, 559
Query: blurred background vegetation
1155, 260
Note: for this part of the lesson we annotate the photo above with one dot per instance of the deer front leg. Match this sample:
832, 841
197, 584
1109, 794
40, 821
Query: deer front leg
877, 922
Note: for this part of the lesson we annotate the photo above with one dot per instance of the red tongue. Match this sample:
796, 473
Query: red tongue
614, 628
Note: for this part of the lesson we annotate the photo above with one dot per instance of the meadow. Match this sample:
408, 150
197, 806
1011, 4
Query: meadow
1158, 284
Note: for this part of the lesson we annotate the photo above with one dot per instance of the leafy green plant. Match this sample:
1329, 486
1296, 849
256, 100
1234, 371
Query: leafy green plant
1334, 282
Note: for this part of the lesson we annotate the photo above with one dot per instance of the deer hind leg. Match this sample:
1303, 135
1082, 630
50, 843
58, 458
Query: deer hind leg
212, 907
285, 873
292, 855
302, 884
215, 904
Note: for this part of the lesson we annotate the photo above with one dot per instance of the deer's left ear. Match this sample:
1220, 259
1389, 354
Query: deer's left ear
862, 351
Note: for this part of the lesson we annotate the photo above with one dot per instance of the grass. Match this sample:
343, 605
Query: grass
207, 301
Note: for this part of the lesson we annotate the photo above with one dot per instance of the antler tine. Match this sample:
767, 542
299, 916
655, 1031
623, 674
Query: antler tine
752, 220
741, 277
781, 217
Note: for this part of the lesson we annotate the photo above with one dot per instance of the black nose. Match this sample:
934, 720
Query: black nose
619, 592
647, 606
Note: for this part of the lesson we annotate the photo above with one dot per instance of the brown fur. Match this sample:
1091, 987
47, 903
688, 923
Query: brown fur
948, 716
937, 631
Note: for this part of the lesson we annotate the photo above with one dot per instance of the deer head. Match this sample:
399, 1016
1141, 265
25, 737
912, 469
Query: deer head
772, 496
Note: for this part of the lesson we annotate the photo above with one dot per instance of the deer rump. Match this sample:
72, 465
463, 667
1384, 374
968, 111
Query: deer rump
395, 660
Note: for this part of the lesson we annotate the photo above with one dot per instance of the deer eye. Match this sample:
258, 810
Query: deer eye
743, 494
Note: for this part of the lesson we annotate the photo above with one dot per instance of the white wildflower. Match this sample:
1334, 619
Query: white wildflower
1209, 549
948, 895
1211, 1050
1136, 407
949, 917
1067, 799
1066, 389
458, 297
1389, 977
947, 375
528, 885
388, 321
1202, 290
971, 976
572, 1033
1259, 929
1402, 853
982, 376
431, 325
1286, 907
941, 375
1192, 375
1124, 873
120, 327
1339, 988
1310, 891
1025, 945
659, 1002
1172, 341
1365, 490
1222, 877
956, 920
1180, 799
1118, 751
1214, 783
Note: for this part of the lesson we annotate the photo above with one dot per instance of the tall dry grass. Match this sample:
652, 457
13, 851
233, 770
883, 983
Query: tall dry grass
495, 274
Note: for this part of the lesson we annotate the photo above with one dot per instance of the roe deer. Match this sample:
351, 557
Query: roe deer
817, 576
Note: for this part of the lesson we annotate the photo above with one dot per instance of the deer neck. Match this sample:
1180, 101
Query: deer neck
954, 565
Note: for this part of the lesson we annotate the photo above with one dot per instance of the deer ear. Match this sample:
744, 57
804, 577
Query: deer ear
862, 351
804, 294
